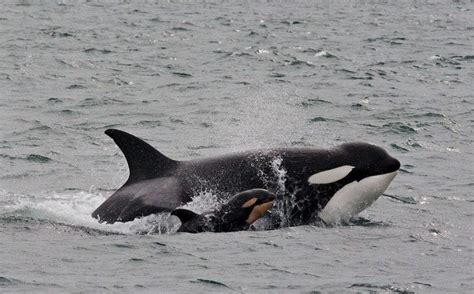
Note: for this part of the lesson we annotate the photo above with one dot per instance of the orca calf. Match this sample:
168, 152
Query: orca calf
236, 215
310, 184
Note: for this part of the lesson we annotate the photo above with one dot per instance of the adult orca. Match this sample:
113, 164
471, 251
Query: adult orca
237, 214
331, 185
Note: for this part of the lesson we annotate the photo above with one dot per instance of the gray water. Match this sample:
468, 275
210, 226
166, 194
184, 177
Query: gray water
204, 78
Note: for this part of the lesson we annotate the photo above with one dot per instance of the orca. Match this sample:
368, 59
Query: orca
310, 184
237, 214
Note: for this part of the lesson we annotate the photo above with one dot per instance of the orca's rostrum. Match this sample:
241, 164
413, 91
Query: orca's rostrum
328, 184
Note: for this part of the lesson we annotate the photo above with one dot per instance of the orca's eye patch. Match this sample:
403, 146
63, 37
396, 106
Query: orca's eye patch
258, 211
249, 203
330, 175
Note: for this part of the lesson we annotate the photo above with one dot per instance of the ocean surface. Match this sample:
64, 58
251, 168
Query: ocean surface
204, 78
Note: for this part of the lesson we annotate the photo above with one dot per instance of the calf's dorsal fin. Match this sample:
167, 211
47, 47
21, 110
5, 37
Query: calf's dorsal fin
144, 161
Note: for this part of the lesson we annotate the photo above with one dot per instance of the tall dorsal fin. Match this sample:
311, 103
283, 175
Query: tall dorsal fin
144, 161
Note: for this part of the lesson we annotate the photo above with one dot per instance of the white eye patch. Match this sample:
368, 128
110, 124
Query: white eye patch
331, 175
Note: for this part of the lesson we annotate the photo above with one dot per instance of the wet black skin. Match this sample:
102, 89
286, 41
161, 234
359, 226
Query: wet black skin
159, 184
230, 217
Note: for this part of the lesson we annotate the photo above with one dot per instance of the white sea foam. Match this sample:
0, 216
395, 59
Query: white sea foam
75, 208
204, 202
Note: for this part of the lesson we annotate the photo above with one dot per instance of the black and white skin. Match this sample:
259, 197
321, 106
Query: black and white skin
241, 211
310, 184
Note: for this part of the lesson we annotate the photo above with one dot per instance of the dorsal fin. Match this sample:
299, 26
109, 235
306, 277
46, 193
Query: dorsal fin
184, 215
144, 161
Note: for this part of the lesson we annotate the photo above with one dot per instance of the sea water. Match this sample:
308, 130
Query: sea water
204, 78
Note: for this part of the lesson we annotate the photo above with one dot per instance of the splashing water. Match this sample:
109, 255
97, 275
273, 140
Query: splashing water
274, 177
74, 210
283, 203
203, 202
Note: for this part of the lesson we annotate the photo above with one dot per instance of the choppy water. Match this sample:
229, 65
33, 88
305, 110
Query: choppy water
203, 78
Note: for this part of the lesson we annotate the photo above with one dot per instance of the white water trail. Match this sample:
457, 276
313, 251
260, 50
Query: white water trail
74, 209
